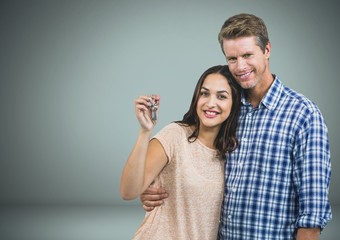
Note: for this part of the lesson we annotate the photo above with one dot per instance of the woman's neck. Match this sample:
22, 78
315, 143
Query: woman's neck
208, 136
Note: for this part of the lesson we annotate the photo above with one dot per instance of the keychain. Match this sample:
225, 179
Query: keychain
153, 105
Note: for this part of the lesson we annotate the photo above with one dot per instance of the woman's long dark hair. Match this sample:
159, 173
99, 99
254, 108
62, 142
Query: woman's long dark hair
226, 138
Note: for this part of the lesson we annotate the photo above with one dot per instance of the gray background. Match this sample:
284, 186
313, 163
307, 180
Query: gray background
70, 70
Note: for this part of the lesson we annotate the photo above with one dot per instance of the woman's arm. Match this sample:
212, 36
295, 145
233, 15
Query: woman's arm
142, 167
146, 159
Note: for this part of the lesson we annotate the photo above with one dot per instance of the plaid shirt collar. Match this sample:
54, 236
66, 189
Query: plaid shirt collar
272, 97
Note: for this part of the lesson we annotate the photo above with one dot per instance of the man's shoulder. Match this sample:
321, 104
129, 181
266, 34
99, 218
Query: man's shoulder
298, 99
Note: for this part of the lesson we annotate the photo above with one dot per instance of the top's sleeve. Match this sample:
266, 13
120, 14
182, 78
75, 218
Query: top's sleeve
169, 137
312, 171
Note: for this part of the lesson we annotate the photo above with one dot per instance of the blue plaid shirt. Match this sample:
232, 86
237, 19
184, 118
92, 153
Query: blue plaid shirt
278, 178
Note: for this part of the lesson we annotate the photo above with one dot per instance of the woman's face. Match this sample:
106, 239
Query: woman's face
214, 101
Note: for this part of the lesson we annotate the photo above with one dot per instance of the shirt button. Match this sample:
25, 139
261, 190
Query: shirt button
229, 216
240, 164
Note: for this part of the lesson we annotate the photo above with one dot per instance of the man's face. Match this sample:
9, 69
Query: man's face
246, 61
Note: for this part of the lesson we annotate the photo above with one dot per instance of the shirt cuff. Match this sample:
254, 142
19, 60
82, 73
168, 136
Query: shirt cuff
311, 221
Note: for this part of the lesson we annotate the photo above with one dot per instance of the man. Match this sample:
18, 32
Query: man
277, 180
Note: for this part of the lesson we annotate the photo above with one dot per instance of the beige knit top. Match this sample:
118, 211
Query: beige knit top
194, 179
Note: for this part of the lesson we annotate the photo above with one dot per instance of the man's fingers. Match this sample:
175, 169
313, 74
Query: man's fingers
148, 203
150, 197
148, 209
154, 191
153, 197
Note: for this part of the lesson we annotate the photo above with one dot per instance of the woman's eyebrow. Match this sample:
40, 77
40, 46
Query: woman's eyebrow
221, 91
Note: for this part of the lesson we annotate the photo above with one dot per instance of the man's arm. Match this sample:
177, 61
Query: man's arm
308, 234
153, 197
312, 159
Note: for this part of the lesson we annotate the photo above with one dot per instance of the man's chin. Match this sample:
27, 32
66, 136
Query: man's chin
247, 85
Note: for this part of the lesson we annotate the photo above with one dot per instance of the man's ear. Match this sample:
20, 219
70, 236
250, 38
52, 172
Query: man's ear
267, 50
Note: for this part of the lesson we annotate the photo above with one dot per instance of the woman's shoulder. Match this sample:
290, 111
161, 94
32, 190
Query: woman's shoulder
173, 128
172, 137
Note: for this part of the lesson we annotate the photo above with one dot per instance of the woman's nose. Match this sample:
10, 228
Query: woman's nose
211, 101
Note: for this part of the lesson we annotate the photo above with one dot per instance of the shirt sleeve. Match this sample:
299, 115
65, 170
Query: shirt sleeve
312, 171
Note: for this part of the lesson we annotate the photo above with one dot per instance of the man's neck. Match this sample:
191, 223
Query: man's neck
255, 95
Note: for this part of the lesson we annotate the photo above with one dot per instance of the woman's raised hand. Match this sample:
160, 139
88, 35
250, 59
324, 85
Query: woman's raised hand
146, 109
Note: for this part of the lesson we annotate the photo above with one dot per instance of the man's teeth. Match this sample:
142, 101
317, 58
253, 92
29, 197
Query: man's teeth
245, 75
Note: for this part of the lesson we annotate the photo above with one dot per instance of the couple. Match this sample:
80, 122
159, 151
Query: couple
276, 172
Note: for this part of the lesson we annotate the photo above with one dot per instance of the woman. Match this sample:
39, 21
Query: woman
186, 157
